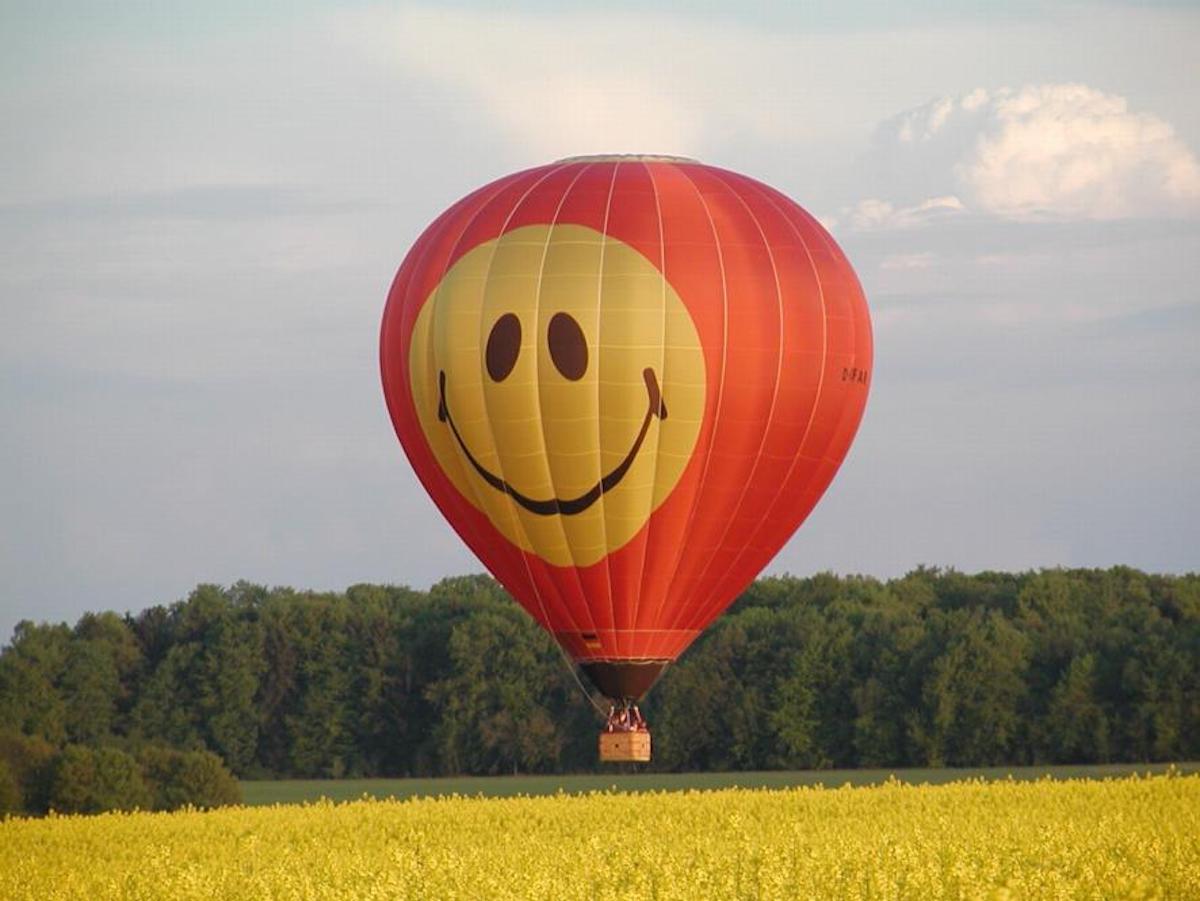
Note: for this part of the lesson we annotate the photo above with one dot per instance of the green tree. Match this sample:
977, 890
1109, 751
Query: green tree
1076, 725
498, 704
90, 687
795, 719
889, 664
30, 760
758, 692
203, 693
972, 698
166, 710
31, 671
230, 668
11, 801
319, 724
90, 780
388, 678
177, 779
206, 782
937, 666
686, 733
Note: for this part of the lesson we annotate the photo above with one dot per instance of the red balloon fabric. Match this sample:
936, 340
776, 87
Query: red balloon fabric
625, 381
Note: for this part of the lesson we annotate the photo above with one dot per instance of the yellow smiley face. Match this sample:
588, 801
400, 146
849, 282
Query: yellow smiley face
560, 382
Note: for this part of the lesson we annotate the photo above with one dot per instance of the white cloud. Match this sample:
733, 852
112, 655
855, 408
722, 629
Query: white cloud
875, 213
569, 81
1052, 151
549, 81
1075, 152
903, 262
525, 77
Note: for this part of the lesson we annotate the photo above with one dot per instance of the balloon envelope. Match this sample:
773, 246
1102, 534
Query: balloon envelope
625, 381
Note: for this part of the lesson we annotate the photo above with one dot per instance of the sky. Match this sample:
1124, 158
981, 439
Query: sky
202, 207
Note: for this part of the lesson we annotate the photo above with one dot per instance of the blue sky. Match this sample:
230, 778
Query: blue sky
201, 209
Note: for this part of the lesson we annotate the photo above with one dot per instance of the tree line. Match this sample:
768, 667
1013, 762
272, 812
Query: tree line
37, 777
936, 668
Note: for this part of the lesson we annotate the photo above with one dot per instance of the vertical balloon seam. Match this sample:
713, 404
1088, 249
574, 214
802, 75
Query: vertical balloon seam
662, 378
701, 609
698, 490
821, 372
537, 592
413, 264
572, 623
564, 607
684, 616
664, 595
847, 410
712, 437
435, 230
537, 312
451, 258
434, 332
612, 603
793, 212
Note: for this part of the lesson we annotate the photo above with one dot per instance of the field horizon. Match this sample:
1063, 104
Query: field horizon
260, 792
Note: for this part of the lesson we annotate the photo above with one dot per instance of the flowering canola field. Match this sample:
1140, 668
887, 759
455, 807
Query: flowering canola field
1122, 838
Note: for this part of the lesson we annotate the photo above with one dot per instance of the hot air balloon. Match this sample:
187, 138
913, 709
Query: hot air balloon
625, 381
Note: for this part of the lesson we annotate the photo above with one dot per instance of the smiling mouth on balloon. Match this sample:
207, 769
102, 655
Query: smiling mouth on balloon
655, 406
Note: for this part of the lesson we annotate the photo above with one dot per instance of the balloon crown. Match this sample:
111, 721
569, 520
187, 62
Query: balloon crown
627, 158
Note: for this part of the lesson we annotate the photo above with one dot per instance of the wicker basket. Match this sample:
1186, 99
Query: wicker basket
624, 747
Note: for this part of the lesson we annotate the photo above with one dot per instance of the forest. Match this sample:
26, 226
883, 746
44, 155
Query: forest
937, 668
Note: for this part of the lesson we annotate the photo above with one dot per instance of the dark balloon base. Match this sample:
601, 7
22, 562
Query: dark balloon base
624, 680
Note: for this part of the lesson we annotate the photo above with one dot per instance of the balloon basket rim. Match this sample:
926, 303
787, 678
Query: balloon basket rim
626, 737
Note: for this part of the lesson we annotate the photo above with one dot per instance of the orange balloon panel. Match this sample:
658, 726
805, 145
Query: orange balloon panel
625, 381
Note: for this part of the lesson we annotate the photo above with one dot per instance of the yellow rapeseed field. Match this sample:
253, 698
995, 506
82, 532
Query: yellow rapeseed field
1123, 838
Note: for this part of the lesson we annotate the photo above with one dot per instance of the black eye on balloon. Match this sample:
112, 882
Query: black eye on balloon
568, 346
503, 347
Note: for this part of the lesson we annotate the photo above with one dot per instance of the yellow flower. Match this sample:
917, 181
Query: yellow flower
1123, 838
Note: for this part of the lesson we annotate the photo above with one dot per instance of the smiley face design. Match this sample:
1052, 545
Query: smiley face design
560, 383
